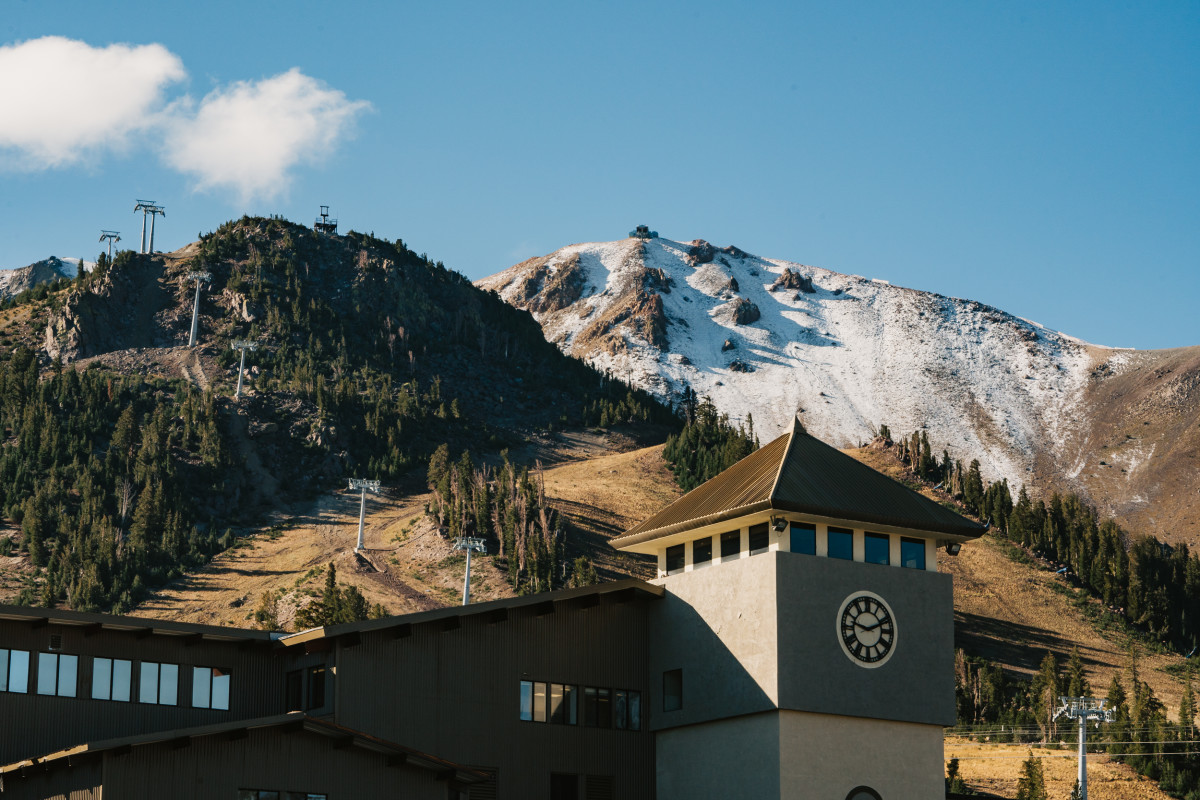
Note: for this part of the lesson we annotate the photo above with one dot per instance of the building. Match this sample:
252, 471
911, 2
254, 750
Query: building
643, 232
796, 643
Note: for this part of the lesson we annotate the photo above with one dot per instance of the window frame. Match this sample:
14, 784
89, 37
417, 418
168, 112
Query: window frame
802, 527
705, 546
868, 537
728, 554
160, 681
6, 671
110, 684
920, 543
830, 532
208, 677
677, 554
762, 533
58, 670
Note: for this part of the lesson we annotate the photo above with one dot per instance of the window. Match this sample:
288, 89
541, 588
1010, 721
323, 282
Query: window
731, 545
912, 553
210, 688
316, 686
293, 691
877, 548
562, 704
804, 538
627, 710
702, 552
597, 707
14, 671
57, 674
527, 701
673, 690
760, 538
674, 559
539, 701
111, 679
841, 544
159, 684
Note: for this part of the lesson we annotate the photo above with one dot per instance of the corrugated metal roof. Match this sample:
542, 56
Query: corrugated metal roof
627, 586
114, 622
315, 725
800, 473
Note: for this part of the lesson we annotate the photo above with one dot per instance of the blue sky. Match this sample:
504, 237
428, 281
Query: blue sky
1042, 158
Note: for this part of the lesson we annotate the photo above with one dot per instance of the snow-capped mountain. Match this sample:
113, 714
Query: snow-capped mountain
15, 281
771, 338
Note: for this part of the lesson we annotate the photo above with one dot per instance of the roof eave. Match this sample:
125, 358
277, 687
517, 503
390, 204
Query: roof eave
630, 540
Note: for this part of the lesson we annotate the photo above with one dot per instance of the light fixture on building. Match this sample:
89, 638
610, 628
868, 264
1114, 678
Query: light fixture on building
779, 524
953, 547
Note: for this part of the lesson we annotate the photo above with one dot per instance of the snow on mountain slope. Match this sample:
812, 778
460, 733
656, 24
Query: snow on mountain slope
15, 281
769, 337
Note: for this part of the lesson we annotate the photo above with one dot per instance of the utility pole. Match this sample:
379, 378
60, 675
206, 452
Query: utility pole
197, 277
112, 236
468, 543
364, 486
243, 345
148, 208
1083, 709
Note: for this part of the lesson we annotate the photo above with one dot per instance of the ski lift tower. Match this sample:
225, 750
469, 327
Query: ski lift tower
198, 277
363, 486
1083, 709
243, 345
112, 237
470, 544
325, 224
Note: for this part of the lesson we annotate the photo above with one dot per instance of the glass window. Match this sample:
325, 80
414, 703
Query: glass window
18, 671
562, 704
3, 670
912, 553
571, 702
159, 683
201, 686
57, 674
731, 545
122, 680
316, 687
539, 701
148, 683
877, 548
804, 538
620, 709
220, 690
702, 552
527, 701
673, 690
293, 691
841, 544
760, 538
604, 708
635, 711
674, 559
590, 712
110, 679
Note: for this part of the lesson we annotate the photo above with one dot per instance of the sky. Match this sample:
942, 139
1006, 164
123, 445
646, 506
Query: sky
1039, 157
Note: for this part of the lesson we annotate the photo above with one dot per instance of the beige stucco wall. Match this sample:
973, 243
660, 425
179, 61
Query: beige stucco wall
825, 756
731, 758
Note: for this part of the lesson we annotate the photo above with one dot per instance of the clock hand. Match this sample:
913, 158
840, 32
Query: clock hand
869, 627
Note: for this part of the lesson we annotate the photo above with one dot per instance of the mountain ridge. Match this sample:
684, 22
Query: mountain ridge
769, 338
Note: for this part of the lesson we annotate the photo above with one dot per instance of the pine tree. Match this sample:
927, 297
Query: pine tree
1077, 683
1187, 705
1032, 783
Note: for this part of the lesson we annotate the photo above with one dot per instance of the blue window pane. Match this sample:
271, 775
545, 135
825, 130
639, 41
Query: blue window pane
912, 553
47, 673
220, 690
68, 675
527, 700
121, 680
841, 544
18, 671
876, 548
804, 538
148, 690
3, 670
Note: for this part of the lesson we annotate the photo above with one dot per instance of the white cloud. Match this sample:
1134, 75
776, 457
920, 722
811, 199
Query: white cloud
63, 100
248, 136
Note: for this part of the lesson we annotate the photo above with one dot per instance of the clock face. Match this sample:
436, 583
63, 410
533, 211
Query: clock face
867, 629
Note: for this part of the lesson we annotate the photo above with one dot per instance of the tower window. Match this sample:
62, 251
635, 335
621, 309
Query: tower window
702, 552
841, 544
674, 559
912, 553
804, 538
877, 548
731, 545
760, 538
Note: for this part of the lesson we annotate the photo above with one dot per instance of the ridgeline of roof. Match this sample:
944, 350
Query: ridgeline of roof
139, 625
800, 473
296, 720
495, 610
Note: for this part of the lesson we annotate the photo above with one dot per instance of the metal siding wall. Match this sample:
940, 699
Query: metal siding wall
35, 725
455, 694
214, 768
81, 781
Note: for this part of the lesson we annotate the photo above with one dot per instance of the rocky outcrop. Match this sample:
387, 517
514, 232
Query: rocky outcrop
700, 252
115, 311
745, 312
791, 279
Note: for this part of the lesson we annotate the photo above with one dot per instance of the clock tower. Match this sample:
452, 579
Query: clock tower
805, 643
